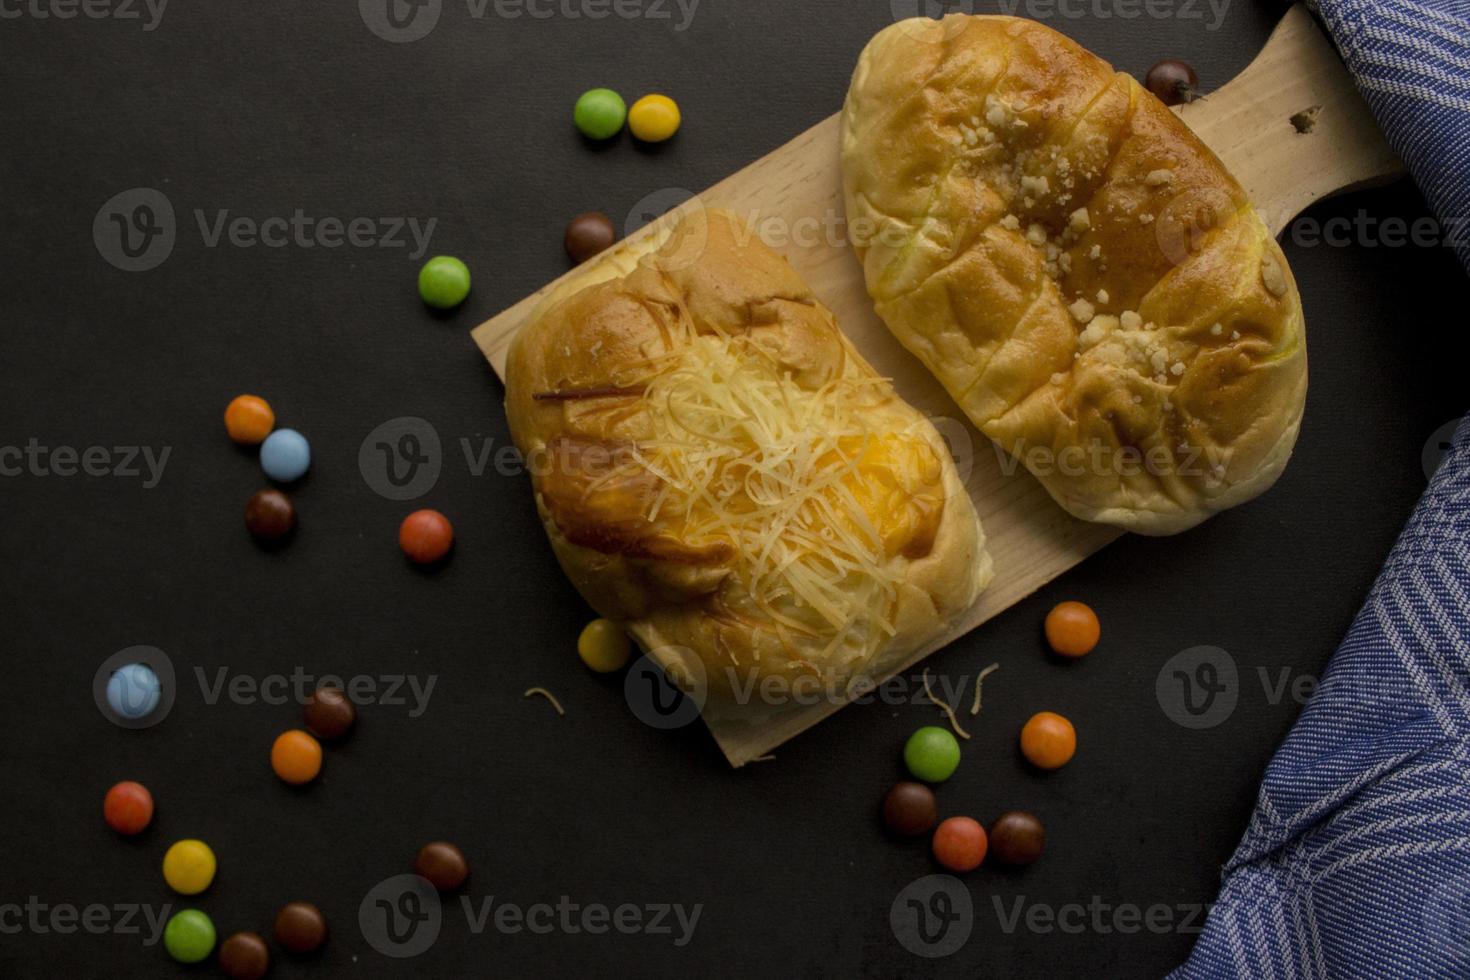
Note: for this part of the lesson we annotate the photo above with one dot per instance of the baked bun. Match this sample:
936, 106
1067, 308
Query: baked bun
719, 470
1076, 267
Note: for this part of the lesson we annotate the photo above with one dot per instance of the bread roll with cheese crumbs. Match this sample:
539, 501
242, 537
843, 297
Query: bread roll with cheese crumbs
718, 468
1076, 267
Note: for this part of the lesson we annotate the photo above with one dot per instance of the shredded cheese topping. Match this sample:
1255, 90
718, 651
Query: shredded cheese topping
745, 453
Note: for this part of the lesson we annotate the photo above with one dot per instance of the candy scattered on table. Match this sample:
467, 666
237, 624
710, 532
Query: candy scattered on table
959, 844
654, 118
587, 234
249, 419
285, 455
1173, 81
329, 714
1017, 838
300, 927
269, 515
189, 936
600, 113
910, 809
425, 536
444, 282
442, 864
133, 691
128, 808
244, 956
1072, 629
604, 646
1048, 741
188, 867
931, 754
296, 757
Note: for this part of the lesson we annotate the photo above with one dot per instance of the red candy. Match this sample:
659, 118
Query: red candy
425, 536
128, 808
960, 844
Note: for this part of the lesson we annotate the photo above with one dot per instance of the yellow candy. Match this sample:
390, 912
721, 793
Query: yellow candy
188, 867
654, 118
604, 646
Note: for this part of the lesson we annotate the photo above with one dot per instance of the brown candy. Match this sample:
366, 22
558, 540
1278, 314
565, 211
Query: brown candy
1017, 838
270, 515
589, 234
300, 927
244, 956
910, 809
329, 714
442, 864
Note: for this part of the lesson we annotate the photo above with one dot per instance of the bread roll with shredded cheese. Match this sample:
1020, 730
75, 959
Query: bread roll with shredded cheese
718, 468
1076, 267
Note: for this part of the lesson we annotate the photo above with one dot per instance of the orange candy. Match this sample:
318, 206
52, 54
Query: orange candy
296, 757
425, 536
1048, 741
249, 420
960, 844
1072, 629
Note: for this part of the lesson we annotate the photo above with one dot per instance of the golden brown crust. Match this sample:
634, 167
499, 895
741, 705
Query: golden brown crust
825, 550
1076, 267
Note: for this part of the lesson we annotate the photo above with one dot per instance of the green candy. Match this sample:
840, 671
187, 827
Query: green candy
444, 282
932, 754
600, 113
189, 936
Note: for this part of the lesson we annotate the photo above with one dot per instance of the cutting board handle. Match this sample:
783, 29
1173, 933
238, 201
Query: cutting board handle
1292, 127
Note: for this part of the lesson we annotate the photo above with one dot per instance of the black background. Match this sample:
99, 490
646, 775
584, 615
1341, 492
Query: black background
265, 108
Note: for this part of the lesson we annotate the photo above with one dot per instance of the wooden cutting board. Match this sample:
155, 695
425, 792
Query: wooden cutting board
1291, 128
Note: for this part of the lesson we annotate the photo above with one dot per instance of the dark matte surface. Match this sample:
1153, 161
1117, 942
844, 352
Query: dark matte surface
265, 108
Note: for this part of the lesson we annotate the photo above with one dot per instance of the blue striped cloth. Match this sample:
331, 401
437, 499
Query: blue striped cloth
1411, 60
1356, 863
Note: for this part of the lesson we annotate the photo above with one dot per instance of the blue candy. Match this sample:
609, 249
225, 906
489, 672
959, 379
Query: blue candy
133, 691
285, 455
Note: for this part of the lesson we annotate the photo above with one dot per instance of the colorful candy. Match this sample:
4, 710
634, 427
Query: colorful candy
587, 234
1017, 838
285, 455
932, 754
189, 936
1048, 741
909, 809
425, 536
296, 757
269, 515
959, 844
604, 646
244, 956
1072, 629
249, 419
443, 864
654, 118
600, 113
128, 808
329, 714
133, 691
444, 282
188, 867
300, 927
